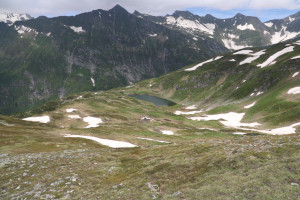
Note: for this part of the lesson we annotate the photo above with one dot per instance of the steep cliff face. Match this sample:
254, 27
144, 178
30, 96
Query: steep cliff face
46, 58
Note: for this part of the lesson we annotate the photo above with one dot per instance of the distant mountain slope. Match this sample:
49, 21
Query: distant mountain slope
234, 33
43, 58
270, 77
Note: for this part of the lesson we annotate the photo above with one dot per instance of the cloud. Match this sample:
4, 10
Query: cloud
155, 7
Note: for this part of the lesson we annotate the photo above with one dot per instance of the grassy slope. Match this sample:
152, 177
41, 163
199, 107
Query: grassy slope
198, 163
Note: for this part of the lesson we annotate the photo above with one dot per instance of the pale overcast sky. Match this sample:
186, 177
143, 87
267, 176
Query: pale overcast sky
264, 9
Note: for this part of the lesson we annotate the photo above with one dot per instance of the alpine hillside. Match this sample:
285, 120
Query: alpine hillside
234, 127
48, 58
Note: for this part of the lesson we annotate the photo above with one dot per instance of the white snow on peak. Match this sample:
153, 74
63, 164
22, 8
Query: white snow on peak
283, 35
295, 74
269, 24
272, 58
254, 57
93, 82
295, 90
42, 119
201, 64
230, 44
189, 24
250, 105
243, 52
165, 132
11, 18
23, 29
92, 121
106, 142
246, 27
232, 60
77, 29
160, 141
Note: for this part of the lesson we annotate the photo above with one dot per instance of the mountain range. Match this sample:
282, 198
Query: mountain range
48, 58
211, 123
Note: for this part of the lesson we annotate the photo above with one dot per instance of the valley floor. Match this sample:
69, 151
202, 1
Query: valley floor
192, 160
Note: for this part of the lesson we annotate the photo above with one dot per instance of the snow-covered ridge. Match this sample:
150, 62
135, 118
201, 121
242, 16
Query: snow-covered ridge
11, 18
189, 24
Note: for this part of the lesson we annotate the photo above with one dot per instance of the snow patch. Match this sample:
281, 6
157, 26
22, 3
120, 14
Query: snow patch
42, 119
239, 133
153, 35
295, 90
230, 44
93, 82
106, 142
77, 29
231, 119
74, 116
275, 56
295, 74
189, 24
201, 64
269, 24
23, 29
191, 107
232, 60
243, 52
92, 121
165, 132
246, 27
296, 57
254, 57
141, 138
250, 105
187, 113
283, 35
69, 110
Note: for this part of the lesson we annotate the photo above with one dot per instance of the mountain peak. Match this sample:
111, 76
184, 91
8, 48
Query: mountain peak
239, 15
184, 14
118, 8
11, 18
